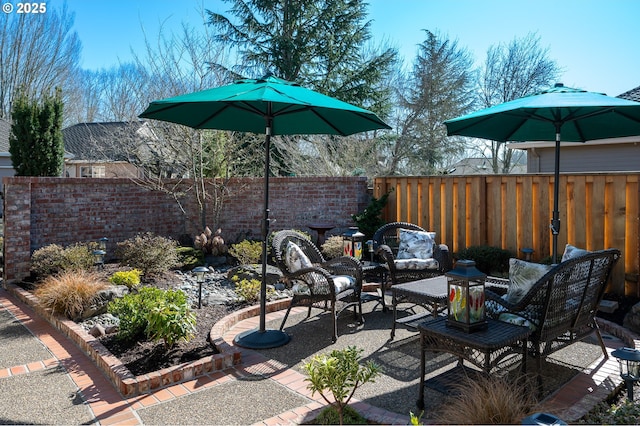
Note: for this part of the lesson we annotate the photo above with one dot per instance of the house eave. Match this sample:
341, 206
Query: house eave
548, 144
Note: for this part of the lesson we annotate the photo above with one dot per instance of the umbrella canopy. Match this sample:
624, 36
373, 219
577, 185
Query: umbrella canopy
274, 107
247, 104
559, 113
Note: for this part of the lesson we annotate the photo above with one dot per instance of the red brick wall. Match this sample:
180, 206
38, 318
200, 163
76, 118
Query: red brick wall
42, 211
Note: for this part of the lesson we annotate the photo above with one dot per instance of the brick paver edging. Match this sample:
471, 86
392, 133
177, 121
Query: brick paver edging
124, 381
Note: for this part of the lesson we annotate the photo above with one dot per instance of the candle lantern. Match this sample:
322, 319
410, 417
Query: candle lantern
465, 287
352, 242
98, 256
199, 272
629, 361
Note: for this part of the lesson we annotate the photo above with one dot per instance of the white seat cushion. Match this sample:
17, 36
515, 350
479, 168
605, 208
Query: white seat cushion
417, 264
415, 244
343, 282
295, 258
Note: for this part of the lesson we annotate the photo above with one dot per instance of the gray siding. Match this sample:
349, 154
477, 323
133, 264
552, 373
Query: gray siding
577, 157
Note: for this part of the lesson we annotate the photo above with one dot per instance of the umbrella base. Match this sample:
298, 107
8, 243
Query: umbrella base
256, 339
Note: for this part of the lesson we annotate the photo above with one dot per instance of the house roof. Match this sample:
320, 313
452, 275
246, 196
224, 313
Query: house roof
110, 141
5, 132
632, 95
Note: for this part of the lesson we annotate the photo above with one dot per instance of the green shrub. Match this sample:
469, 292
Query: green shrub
490, 260
149, 253
249, 290
247, 252
69, 293
370, 219
189, 258
171, 321
158, 314
339, 374
129, 278
53, 259
333, 247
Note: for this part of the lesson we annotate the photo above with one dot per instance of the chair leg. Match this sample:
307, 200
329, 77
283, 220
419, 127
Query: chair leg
284, 320
600, 340
335, 323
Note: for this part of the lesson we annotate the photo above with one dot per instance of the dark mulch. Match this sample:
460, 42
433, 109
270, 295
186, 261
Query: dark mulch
144, 356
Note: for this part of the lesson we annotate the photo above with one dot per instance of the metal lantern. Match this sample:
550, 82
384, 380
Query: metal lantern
629, 360
199, 272
98, 256
465, 287
102, 243
352, 242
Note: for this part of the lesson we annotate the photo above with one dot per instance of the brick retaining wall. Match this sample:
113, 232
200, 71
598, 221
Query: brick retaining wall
42, 211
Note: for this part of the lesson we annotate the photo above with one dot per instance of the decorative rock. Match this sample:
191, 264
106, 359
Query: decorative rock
97, 331
632, 319
103, 297
254, 271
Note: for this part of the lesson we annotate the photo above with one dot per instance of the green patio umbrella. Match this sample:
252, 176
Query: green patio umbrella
555, 114
271, 106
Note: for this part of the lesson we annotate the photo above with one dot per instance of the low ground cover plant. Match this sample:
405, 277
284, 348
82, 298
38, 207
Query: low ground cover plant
70, 293
130, 278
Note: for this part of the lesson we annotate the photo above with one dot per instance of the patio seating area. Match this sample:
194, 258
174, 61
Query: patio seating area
276, 372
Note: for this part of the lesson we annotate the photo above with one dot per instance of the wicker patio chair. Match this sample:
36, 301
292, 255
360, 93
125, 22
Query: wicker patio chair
386, 242
334, 285
560, 307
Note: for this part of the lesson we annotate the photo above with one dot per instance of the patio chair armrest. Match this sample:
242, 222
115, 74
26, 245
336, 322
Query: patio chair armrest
345, 265
386, 255
497, 285
318, 279
443, 256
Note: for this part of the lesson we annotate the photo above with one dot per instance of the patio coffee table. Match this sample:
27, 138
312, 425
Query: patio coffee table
430, 293
483, 348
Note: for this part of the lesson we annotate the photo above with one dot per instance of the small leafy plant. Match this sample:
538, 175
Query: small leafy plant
69, 293
129, 278
249, 289
247, 252
340, 374
152, 254
156, 314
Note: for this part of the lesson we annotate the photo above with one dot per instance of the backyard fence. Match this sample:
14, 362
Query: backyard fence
513, 212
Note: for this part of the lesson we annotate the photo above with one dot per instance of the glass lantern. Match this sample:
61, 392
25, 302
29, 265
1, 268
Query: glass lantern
465, 287
629, 361
199, 272
98, 256
352, 242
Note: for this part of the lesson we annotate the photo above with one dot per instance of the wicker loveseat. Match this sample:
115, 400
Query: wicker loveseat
560, 307
386, 242
333, 285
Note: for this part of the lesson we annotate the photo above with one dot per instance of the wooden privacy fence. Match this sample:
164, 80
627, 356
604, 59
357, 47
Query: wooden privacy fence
597, 211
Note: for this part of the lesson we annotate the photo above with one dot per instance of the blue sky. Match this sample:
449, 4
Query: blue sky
596, 42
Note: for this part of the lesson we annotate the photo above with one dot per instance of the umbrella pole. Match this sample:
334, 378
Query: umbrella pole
555, 221
263, 338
